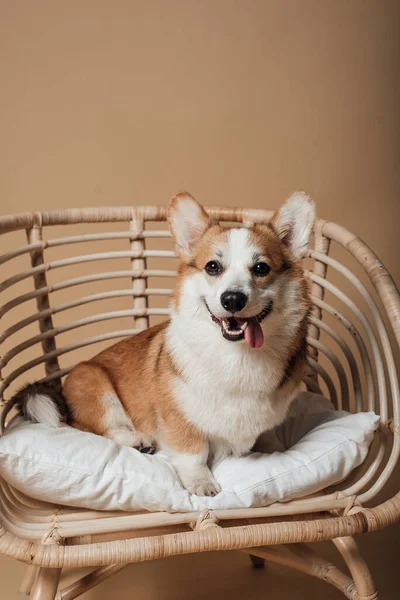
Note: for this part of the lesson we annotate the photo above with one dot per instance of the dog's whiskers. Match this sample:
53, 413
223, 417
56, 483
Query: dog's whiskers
283, 317
195, 312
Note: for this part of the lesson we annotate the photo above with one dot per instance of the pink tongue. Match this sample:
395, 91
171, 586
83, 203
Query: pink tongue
253, 334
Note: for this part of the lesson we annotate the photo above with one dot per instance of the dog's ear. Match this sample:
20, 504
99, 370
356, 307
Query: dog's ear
293, 223
187, 221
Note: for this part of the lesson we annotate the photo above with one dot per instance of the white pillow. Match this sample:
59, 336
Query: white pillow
70, 467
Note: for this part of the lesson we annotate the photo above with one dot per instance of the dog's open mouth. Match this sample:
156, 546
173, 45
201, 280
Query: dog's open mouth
235, 329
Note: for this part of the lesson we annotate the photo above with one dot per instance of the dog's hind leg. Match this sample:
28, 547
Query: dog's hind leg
95, 406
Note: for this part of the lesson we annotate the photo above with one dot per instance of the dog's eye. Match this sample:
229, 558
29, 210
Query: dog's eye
213, 267
261, 269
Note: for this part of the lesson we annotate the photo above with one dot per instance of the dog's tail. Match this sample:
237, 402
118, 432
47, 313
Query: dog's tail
40, 403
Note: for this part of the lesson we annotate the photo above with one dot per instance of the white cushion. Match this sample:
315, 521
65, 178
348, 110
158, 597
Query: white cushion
315, 448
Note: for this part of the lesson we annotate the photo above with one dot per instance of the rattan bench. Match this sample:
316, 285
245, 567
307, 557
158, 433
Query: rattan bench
354, 332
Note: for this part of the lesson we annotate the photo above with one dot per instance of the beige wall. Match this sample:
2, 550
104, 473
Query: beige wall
241, 102
126, 102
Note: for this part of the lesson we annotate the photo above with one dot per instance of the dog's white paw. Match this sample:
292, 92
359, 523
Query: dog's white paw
195, 475
146, 444
203, 487
134, 439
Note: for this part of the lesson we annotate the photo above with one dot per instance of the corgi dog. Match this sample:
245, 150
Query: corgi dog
223, 369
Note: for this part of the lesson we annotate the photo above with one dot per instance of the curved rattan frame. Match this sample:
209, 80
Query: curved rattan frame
49, 538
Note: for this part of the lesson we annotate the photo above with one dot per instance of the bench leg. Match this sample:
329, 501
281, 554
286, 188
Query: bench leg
358, 568
28, 580
257, 561
46, 584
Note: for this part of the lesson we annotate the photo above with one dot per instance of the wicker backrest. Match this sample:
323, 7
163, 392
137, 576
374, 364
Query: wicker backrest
79, 274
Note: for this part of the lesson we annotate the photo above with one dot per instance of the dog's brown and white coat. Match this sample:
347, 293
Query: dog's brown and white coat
225, 367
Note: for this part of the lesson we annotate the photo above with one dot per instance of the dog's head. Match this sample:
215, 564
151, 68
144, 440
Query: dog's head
236, 278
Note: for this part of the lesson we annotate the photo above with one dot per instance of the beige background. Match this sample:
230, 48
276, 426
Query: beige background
126, 102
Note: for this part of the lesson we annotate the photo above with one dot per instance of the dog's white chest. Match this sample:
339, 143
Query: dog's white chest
227, 392
231, 420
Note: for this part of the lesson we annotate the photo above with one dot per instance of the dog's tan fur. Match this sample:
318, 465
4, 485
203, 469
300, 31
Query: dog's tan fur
128, 370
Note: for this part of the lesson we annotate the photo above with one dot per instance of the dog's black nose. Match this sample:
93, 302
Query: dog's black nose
233, 301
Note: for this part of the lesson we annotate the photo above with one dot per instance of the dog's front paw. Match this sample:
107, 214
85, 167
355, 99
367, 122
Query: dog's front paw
203, 487
196, 478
